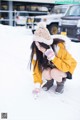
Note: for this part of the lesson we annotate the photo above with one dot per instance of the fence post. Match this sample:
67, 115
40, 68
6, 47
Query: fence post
15, 12
10, 13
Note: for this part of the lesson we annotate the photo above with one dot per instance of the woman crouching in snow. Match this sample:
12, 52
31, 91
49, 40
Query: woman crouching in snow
51, 60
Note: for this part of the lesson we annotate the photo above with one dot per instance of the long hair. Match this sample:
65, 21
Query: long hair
39, 55
42, 60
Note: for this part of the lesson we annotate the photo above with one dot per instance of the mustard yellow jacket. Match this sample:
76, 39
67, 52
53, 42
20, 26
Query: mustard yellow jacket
63, 60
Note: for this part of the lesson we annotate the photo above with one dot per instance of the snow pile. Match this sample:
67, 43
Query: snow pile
16, 83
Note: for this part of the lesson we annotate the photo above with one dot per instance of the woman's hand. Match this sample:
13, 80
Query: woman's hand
42, 49
50, 54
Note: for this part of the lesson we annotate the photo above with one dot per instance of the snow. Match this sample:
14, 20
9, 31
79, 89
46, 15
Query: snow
16, 82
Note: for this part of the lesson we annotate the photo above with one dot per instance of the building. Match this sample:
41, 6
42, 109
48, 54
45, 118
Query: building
9, 8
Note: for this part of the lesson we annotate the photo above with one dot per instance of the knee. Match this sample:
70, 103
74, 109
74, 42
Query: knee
57, 75
53, 72
46, 74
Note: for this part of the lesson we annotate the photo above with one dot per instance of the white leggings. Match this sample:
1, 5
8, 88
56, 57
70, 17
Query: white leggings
54, 73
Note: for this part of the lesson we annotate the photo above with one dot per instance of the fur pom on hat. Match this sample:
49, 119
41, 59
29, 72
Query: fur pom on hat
42, 34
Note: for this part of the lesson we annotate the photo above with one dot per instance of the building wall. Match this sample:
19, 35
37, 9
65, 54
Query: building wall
36, 1
9, 8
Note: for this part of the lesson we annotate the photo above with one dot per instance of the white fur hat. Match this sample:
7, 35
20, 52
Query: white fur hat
42, 34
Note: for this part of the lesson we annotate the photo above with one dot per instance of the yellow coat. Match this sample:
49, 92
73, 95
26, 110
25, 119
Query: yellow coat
63, 61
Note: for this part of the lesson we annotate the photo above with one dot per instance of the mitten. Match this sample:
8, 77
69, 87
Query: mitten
50, 54
36, 89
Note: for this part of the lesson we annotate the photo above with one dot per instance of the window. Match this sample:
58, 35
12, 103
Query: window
4, 6
74, 11
59, 9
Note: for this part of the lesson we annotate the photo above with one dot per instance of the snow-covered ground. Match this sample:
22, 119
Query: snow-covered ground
16, 82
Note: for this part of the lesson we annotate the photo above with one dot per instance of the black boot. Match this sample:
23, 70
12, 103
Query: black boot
60, 86
48, 85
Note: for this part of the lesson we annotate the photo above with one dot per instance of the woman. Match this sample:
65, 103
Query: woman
51, 60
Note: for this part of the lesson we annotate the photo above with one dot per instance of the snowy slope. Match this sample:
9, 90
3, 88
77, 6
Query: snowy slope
16, 82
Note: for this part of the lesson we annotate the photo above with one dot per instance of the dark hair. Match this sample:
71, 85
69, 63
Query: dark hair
42, 60
39, 55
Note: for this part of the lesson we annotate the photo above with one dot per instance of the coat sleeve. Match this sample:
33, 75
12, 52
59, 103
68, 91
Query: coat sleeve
63, 60
37, 75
